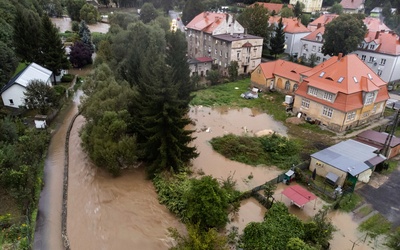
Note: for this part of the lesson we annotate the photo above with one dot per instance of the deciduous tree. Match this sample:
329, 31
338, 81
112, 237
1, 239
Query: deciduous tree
336, 8
40, 95
74, 7
89, 14
148, 13
8, 63
80, 55
192, 8
255, 20
207, 204
233, 70
343, 35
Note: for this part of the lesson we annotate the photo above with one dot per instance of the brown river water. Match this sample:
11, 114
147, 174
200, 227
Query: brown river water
123, 212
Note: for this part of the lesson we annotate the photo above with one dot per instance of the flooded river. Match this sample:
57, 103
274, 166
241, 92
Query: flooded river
64, 24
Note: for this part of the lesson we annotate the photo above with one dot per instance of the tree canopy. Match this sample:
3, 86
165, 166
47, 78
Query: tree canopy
148, 13
343, 35
277, 42
40, 95
255, 20
192, 8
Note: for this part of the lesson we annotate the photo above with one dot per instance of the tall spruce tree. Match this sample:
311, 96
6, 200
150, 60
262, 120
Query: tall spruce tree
27, 33
277, 42
161, 117
52, 50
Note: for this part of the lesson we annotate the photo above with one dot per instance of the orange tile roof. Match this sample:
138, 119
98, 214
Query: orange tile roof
286, 69
291, 25
313, 35
388, 42
355, 77
351, 4
277, 7
207, 21
323, 20
375, 24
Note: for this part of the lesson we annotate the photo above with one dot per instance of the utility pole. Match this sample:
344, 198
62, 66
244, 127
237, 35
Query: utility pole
389, 138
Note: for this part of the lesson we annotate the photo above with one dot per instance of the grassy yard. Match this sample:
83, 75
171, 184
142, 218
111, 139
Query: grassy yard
376, 225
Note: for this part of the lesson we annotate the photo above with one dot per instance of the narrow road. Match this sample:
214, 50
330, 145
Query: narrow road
48, 222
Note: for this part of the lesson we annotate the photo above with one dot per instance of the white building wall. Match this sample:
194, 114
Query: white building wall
307, 49
230, 26
387, 66
293, 42
14, 93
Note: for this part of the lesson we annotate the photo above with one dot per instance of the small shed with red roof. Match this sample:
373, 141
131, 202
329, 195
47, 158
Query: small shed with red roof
298, 195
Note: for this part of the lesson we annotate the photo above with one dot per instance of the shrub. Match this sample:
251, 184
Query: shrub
60, 90
67, 78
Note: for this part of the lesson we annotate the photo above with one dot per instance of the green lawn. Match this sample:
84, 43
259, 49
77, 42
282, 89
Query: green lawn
228, 94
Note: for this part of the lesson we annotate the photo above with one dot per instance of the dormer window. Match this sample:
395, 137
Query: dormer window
371, 46
328, 96
369, 98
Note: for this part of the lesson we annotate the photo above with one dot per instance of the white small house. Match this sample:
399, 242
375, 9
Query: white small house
13, 92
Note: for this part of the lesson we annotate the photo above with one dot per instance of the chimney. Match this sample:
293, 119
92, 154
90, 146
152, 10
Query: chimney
340, 55
319, 25
377, 35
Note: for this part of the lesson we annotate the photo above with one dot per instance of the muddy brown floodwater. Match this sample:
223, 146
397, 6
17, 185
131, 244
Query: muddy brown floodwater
213, 122
64, 24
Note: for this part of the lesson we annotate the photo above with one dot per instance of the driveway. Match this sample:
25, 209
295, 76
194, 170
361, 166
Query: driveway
386, 198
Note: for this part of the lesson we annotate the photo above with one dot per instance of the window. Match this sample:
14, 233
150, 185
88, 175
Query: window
379, 73
259, 70
340, 79
216, 51
305, 103
327, 112
322, 74
319, 49
318, 58
351, 116
295, 87
363, 57
328, 96
383, 61
220, 53
371, 46
312, 91
313, 48
365, 114
371, 59
226, 54
287, 85
305, 46
369, 98
238, 55
11, 101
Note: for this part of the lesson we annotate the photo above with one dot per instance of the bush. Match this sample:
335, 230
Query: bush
75, 26
67, 78
60, 90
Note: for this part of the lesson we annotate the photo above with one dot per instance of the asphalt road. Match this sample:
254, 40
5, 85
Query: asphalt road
175, 15
386, 198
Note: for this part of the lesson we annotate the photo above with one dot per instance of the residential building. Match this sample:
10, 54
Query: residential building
377, 12
310, 6
312, 44
281, 75
13, 92
380, 50
200, 66
380, 44
349, 160
321, 21
378, 140
221, 37
353, 6
294, 32
273, 7
341, 93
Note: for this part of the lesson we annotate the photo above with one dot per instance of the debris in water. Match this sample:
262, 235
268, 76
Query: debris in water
208, 130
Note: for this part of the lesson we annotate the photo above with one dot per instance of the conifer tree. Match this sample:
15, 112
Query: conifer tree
52, 55
161, 117
277, 42
27, 32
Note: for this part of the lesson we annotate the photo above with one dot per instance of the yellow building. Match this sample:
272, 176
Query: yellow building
278, 75
341, 93
309, 5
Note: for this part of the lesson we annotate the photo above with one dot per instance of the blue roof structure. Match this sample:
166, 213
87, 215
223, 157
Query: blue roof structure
350, 156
